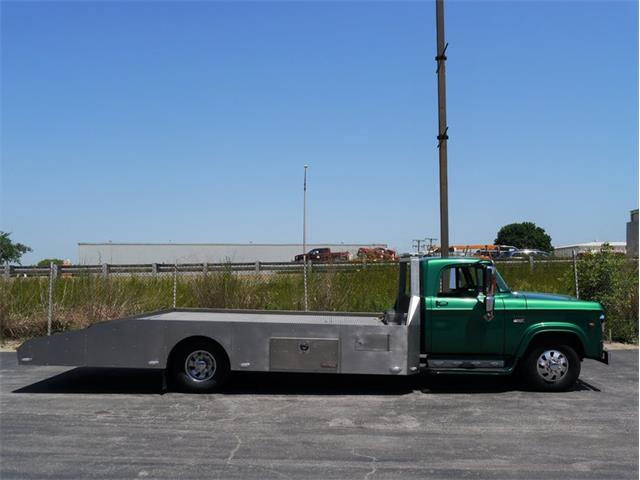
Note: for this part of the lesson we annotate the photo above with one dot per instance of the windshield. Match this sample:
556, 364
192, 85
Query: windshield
502, 285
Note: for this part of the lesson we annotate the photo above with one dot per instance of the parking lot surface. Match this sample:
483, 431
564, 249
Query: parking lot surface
58, 422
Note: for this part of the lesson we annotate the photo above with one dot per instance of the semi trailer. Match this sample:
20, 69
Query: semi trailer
451, 316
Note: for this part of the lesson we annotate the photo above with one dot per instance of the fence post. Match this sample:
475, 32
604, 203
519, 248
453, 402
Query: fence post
105, 270
531, 266
154, 269
175, 284
7, 271
304, 280
52, 279
258, 267
575, 273
205, 268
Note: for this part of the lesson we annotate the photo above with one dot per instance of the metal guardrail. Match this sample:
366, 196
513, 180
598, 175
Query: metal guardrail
106, 269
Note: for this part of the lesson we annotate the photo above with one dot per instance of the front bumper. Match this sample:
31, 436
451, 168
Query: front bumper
604, 358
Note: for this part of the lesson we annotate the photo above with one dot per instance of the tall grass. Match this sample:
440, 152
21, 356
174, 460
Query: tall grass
82, 300
78, 301
364, 289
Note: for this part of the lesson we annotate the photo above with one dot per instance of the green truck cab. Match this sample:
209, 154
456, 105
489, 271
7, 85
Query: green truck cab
472, 322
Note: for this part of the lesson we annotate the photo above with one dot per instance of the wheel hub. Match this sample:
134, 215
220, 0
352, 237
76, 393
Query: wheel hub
200, 366
552, 365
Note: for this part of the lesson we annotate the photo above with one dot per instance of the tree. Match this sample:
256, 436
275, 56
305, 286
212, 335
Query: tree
524, 235
48, 261
10, 251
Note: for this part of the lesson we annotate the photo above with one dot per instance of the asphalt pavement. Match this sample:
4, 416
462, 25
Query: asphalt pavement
57, 422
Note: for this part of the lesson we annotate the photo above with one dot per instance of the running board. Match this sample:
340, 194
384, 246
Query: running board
469, 371
465, 364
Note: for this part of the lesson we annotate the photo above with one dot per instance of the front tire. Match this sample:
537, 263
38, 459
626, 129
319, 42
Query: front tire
199, 367
552, 368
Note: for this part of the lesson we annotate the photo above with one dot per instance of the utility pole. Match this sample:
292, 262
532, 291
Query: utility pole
441, 59
417, 243
304, 241
431, 240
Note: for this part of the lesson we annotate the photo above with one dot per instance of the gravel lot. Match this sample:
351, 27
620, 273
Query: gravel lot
100, 423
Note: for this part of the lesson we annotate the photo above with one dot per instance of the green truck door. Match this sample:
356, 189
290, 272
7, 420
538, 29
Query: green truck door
456, 317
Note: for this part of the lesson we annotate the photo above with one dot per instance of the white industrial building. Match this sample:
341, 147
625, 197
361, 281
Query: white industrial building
170, 253
588, 247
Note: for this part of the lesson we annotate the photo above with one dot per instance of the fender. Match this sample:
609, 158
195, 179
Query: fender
550, 327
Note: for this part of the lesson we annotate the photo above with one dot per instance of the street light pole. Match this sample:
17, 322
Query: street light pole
442, 129
304, 241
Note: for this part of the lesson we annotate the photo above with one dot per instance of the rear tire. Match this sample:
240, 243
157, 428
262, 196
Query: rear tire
199, 366
551, 368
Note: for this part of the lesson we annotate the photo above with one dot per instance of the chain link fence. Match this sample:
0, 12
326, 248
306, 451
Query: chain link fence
39, 301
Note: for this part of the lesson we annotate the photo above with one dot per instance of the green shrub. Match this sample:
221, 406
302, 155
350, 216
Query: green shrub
612, 280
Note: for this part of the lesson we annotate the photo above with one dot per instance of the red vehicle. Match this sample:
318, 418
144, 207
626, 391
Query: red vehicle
323, 255
377, 254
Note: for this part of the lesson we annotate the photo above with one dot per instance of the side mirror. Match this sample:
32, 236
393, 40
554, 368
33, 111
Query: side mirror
489, 282
489, 291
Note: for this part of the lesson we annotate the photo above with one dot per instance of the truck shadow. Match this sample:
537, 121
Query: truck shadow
99, 380
85, 380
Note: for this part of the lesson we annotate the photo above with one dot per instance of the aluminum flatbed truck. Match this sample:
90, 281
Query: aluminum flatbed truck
452, 315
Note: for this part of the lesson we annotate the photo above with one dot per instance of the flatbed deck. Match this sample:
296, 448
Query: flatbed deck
244, 316
247, 340
253, 340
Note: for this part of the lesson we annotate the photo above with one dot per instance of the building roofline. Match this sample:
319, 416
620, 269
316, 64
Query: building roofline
591, 244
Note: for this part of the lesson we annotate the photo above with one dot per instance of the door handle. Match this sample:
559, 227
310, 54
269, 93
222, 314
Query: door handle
441, 303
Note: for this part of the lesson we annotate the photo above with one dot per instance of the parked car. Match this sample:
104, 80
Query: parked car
479, 250
525, 254
320, 255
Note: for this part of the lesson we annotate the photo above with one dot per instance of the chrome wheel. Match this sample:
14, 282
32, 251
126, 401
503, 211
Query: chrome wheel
200, 366
552, 366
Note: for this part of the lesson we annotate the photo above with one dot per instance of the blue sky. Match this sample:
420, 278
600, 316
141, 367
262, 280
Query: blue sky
191, 121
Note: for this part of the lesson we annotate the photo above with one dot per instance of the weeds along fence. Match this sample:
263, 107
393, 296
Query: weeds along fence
35, 301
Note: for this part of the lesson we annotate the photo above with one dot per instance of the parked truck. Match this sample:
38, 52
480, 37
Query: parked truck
323, 255
451, 316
